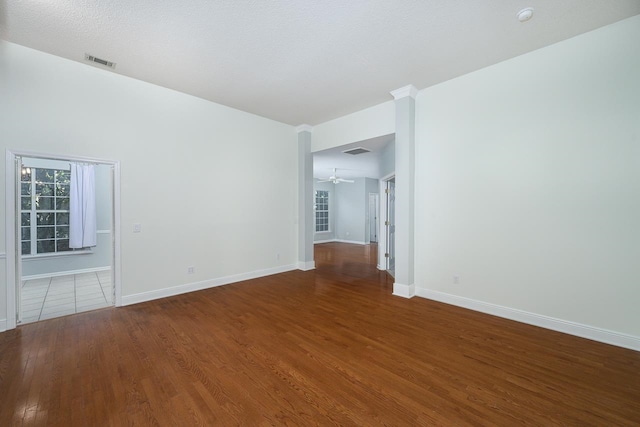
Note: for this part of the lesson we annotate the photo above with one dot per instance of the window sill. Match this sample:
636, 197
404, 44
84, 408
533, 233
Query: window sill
56, 254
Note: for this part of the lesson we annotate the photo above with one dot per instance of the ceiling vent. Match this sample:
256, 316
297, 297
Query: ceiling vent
355, 151
100, 61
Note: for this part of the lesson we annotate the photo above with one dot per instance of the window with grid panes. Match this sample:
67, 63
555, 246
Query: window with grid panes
44, 211
322, 210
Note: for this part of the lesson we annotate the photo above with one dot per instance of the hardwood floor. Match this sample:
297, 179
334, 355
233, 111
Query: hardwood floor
325, 347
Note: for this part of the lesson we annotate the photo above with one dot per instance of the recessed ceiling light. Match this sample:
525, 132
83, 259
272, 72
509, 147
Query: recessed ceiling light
525, 14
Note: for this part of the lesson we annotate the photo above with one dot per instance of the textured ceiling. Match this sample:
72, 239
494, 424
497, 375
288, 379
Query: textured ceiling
298, 61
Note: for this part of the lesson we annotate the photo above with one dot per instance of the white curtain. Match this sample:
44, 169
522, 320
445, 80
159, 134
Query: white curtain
82, 207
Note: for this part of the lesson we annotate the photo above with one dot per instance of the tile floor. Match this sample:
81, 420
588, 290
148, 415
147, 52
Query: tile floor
62, 295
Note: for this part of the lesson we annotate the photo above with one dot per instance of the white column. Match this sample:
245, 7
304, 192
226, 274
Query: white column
305, 199
405, 97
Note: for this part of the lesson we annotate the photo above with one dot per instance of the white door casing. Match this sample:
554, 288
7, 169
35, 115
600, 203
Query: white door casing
12, 243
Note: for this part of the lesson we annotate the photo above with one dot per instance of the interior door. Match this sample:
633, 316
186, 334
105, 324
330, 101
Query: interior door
391, 226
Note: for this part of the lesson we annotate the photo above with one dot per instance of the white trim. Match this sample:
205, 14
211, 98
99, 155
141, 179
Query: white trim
65, 273
565, 326
3, 325
383, 215
353, 242
103, 232
306, 266
403, 92
329, 212
381, 268
304, 128
115, 237
61, 157
387, 177
47, 255
10, 238
404, 291
198, 286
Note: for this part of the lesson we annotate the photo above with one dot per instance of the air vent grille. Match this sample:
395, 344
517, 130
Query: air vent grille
100, 61
355, 151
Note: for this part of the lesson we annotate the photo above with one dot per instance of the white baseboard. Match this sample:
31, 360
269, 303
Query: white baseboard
404, 291
567, 327
353, 242
205, 284
65, 273
306, 266
3, 325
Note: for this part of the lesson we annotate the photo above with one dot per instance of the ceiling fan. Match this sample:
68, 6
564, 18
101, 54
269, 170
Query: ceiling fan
336, 179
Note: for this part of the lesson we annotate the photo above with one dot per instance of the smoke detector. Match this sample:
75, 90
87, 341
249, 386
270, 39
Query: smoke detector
525, 14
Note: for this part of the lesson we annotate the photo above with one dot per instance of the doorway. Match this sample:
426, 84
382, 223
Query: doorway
45, 277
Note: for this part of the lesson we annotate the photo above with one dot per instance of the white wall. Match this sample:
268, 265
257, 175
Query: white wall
371, 186
213, 187
369, 123
388, 159
528, 182
349, 212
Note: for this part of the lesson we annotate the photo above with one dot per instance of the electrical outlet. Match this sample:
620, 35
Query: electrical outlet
137, 228
278, 257
456, 280
191, 270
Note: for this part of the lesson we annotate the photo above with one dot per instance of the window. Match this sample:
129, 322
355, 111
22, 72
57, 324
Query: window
322, 211
44, 210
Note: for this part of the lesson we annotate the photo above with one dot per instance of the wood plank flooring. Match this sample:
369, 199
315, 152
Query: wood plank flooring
325, 347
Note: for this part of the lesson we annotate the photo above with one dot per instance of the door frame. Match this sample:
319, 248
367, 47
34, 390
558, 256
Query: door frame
382, 215
11, 241
373, 223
